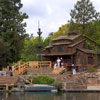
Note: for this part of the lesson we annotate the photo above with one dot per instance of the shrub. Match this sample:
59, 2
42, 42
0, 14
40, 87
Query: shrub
43, 80
91, 69
58, 85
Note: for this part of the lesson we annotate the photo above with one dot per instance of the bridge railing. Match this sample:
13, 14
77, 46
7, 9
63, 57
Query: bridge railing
21, 68
39, 64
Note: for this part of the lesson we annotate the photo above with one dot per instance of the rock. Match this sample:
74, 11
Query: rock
98, 73
92, 80
98, 70
58, 71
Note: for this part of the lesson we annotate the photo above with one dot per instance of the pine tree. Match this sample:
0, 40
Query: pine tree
12, 26
4, 53
82, 14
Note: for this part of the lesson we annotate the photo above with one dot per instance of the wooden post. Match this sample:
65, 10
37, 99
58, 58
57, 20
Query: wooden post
40, 64
6, 95
18, 69
6, 87
22, 69
50, 65
72, 59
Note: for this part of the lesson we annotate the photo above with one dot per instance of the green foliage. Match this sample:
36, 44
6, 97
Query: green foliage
30, 50
45, 80
63, 30
4, 53
12, 27
93, 35
75, 27
47, 41
91, 69
58, 85
93, 31
82, 14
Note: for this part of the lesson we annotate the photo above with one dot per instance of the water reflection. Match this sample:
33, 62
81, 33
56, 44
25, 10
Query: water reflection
48, 96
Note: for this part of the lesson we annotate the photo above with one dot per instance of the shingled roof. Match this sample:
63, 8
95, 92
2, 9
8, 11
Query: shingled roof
88, 51
60, 54
69, 37
61, 43
74, 44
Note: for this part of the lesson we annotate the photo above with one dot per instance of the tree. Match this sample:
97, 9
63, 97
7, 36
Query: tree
30, 50
4, 53
94, 31
50, 34
82, 14
47, 42
12, 26
63, 30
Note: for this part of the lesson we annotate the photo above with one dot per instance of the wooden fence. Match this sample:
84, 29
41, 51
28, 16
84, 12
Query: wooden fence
21, 68
39, 64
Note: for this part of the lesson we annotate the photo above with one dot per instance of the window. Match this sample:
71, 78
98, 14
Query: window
90, 60
60, 49
49, 51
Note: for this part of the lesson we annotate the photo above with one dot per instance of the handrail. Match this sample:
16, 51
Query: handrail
22, 68
34, 64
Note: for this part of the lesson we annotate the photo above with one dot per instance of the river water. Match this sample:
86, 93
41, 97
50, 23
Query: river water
48, 96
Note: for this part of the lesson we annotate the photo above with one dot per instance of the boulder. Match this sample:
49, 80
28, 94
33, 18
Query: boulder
58, 71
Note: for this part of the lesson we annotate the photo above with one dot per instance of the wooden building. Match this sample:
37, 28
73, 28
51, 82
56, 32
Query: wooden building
72, 49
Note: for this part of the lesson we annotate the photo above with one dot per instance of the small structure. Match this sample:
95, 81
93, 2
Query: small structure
72, 49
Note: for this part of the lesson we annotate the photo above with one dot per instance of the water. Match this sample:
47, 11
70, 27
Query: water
49, 96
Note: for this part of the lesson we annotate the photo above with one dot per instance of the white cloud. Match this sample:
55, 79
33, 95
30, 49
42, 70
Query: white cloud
52, 14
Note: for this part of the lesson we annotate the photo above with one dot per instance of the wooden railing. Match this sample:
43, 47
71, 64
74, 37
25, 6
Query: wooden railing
21, 68
39, 64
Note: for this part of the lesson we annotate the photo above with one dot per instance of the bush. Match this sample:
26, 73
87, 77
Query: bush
91, 69
45, 80
58, 85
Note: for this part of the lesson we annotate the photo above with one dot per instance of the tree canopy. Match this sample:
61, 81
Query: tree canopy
30, 50
12, 27
4, 53
82, 14
16, 45
63, 30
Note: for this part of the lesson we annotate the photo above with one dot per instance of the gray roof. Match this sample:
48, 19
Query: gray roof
48, 46
61, 43
74, 44
88, 51
59, 54
69, 37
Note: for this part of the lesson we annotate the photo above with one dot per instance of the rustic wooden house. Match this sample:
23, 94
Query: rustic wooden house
72, 49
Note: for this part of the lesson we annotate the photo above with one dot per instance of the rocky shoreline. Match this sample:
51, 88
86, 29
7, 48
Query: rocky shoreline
80, 82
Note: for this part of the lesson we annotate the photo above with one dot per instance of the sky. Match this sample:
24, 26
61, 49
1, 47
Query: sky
50, 14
